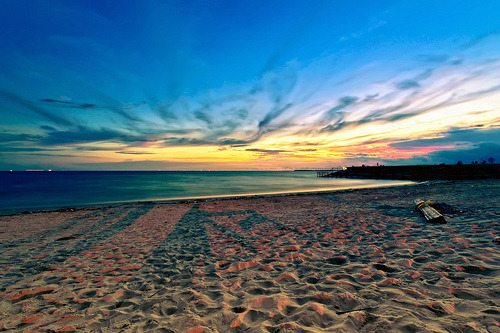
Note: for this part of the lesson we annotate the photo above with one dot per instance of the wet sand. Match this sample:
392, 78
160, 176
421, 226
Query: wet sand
348, 261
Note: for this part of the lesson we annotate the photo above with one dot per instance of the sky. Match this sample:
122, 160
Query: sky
247, 84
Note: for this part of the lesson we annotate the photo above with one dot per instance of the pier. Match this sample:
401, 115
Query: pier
328, 173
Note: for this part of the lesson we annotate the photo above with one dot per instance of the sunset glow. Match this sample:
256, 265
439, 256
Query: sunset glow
230, 85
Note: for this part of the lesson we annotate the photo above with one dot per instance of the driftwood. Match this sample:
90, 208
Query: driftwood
430, 214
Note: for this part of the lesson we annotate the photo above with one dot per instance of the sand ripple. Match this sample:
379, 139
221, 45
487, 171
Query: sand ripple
354, 261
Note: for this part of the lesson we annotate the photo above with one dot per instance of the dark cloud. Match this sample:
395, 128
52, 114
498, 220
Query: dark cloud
70, 104
301, 144
370, 97
415, 81
165, 112
335, 127
27, 104
82, 134
48, 128
183, 141
478, 40
233, 142
10, 137
133, 153
116, 106
109, 104
343, 103
272, 115
433, 58
51, 155
268, 151
386, 115
24, 149
456, 61
440, 59
203, 117
94, 148
355, 155
407, 84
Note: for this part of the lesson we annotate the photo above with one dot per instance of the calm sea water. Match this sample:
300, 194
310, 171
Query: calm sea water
56, 189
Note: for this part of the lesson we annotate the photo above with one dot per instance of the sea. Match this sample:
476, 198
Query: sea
32, 190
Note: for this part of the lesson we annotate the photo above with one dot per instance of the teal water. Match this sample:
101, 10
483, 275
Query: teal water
56, 189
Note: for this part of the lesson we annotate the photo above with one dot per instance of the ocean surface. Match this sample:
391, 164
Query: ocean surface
56, 189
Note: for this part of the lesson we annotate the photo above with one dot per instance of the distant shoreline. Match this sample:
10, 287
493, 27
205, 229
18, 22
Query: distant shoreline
418, 172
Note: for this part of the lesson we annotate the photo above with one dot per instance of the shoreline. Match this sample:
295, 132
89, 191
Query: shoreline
360, 260
421, 172
14, 211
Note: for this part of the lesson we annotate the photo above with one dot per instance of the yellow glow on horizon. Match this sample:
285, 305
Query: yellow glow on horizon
305, 143
431, 124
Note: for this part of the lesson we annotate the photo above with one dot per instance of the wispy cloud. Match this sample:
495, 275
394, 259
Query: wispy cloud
290, 104
267, 151
134, 153
84, 134
26, 104
69, 104
6, 137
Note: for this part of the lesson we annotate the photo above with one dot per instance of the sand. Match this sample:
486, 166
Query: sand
349, 261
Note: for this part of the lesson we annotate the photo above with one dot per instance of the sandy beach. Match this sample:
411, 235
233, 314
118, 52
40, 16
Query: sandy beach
347, 261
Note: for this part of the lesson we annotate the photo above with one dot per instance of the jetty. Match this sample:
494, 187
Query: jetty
418, 172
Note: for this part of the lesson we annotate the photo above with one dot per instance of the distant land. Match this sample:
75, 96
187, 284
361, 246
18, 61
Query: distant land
418, 172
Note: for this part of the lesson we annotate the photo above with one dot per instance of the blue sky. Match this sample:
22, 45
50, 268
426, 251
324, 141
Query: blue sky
94, 85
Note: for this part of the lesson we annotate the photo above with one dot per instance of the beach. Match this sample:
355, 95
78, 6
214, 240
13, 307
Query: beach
360, 260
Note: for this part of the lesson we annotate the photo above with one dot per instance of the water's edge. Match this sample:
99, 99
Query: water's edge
15, 211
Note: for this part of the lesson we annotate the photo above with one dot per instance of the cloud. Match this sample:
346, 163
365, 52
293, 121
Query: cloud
48, 128
233, 142
184, 141
133, 153
415, 81
276, 112
407, 84
268, 151
83, 134
27, 104
51, 154
482, 40
123, 110
343, 103
12, 137
278, 86
433, 58
301, 99
70, 104
203, 117
5, 149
